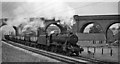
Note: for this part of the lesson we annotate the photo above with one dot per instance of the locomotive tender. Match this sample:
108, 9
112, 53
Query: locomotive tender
63, 42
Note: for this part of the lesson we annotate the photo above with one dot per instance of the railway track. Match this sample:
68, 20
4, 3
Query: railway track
60, 57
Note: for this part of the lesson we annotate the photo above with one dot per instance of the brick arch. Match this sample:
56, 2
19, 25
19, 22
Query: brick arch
62, 29
9, 31
108, 26
16, 30
81, 30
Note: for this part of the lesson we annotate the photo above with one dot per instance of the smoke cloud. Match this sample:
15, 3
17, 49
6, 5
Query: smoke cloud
33, 25
50, 9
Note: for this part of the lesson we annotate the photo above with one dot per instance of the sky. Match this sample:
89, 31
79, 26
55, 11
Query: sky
0, 9
81, 8
64, 0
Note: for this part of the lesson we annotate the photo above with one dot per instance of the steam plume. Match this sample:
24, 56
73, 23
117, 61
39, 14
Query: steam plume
51, 9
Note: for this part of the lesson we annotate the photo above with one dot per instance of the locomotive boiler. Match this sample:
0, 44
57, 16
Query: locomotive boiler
71, 38
65, 42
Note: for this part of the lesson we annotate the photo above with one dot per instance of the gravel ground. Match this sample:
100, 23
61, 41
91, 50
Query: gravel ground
11, 54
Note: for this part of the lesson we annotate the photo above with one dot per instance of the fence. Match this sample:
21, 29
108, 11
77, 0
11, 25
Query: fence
103, 53
109, 50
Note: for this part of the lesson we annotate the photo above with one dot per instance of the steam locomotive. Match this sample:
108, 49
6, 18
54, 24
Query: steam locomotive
64, 42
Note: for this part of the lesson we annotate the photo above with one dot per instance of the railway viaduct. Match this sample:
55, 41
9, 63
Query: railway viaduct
104, 21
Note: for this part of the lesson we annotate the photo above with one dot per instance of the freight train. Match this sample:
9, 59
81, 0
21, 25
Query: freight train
64, 42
